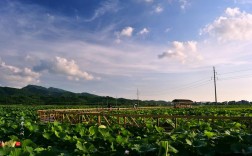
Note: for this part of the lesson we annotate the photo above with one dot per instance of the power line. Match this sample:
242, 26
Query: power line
182, 91
137, 97
191, 87
236, 77
237, 71
201, 82
188, 85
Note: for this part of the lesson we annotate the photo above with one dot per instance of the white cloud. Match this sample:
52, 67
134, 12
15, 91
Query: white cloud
149, 1
65, 67
234, 25
158, 9
128, 31
232, 11
17, 77
168, 30
182, 51
144, 31
118, 40
243, 1
70, 68
107, 6
184, 4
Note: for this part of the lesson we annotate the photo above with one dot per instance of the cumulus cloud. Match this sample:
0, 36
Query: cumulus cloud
232, 11
128, 31
182, 51
234, 25
65, 67
144, 31
17, 77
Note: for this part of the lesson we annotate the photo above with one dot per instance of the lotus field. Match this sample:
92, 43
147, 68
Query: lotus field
22, 133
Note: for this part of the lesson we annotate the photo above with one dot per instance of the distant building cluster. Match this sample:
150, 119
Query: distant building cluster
242, 102
185, 103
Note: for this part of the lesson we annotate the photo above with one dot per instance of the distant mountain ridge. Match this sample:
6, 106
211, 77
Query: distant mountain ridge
33, 94
33, 89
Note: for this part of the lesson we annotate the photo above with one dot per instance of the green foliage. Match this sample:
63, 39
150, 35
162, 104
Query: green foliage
188, 137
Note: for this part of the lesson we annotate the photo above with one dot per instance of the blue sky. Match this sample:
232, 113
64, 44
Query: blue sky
164, 48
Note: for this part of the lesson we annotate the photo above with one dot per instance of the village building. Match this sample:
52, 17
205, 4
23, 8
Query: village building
182, 103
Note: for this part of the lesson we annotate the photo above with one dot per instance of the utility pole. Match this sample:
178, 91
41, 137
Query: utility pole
215, 86
107, 102
137, 97
116, 101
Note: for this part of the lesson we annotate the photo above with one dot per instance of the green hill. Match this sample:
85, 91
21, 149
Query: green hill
42, 91
38, 95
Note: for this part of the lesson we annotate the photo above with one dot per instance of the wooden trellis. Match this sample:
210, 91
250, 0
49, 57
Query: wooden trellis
92, 116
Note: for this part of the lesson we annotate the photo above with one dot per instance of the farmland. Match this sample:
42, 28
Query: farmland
188, 137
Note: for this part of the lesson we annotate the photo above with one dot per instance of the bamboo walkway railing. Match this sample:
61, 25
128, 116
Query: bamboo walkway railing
104, 117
